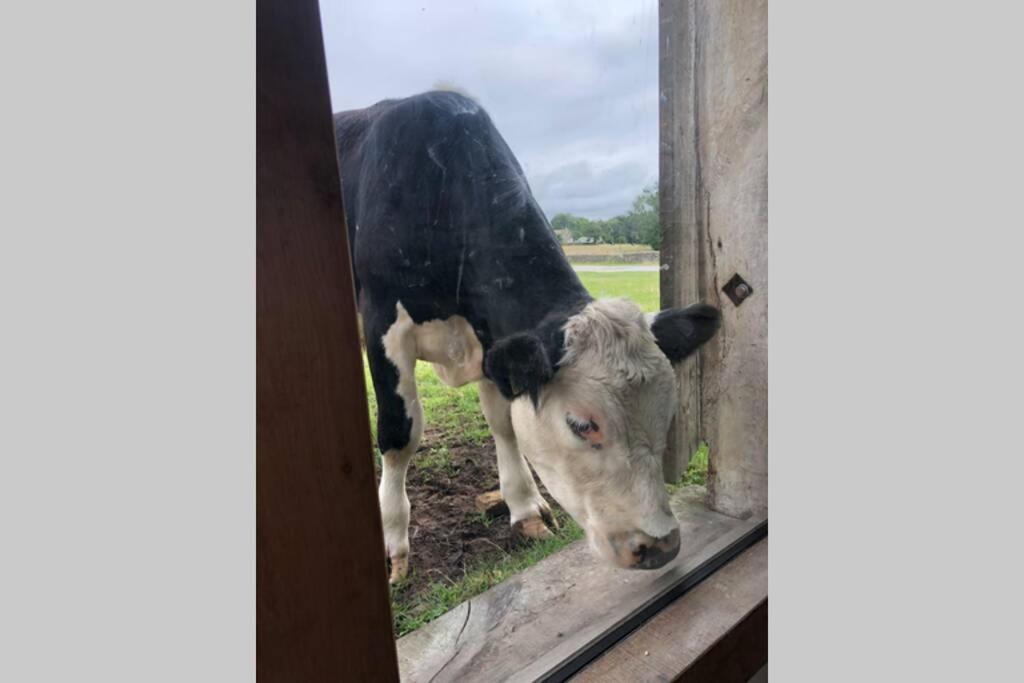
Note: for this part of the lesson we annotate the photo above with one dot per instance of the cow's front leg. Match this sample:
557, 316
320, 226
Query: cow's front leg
394, 511
391, 350
528, 509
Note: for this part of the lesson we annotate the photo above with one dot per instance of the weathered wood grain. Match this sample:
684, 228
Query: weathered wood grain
683, 633
680, 219
714, 128
528, 624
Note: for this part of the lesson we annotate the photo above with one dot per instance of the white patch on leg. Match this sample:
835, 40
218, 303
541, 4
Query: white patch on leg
517, 486
400, 348
394, 503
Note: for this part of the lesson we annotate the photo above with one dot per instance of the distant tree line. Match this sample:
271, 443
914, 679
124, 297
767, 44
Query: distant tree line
639, 225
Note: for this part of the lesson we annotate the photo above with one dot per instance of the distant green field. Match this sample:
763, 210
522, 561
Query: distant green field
613, 263
641, 287
603, 249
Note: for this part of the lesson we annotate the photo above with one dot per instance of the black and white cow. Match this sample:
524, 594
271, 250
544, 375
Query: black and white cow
456, 264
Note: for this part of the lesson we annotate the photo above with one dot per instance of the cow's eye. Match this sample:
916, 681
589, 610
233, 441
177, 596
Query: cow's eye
581, 427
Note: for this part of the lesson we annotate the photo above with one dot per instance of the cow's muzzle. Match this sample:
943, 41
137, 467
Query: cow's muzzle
637, 550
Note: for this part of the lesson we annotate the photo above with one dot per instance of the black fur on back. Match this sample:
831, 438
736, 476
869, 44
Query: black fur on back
441, 218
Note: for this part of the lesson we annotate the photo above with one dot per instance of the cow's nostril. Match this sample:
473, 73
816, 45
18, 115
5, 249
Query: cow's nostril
653, 553
641, 552
638, 550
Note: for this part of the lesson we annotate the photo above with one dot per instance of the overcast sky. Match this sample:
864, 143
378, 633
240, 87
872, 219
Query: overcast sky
572, 86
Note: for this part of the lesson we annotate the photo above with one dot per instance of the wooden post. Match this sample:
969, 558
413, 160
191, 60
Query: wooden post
322, 610
714, 170
680, 219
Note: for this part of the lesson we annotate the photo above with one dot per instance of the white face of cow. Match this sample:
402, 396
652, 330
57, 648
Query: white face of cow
598, 430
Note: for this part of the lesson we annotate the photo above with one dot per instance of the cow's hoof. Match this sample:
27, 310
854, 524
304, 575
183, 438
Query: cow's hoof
532, 527
545, 513
399, 569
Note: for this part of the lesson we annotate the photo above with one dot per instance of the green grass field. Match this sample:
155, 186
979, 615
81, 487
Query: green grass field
456, 415
641, 287
614, 263
603, 249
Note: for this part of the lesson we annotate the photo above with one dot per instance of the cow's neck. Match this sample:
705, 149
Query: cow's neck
530, 285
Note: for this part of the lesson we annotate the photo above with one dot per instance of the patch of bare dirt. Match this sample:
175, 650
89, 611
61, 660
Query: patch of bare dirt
447, 534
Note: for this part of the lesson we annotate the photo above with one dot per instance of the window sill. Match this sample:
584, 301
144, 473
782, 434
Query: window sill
530, 625
716, 632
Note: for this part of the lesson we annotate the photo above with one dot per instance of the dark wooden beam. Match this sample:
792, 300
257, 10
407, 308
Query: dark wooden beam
322, 604
737, 656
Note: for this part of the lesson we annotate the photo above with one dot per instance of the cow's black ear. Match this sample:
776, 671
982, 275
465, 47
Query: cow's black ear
519, 364
681, 331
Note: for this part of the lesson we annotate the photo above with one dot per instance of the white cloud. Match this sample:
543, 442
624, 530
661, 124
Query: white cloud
572, 86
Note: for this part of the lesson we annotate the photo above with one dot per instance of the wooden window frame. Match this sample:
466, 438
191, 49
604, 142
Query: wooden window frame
713, 79
322, 603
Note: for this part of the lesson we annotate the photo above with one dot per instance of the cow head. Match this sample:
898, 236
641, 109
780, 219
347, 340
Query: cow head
592, 412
